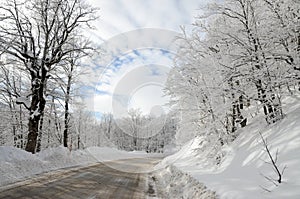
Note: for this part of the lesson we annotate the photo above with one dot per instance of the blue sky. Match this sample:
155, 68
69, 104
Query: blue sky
137, 37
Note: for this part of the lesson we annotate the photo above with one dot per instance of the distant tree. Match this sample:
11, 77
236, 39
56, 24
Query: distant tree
134, 121
107, 124
138, 131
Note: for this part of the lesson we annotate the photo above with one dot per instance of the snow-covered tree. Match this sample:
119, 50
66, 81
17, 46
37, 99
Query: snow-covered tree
239, 55
39, 34
13, 84
138, 131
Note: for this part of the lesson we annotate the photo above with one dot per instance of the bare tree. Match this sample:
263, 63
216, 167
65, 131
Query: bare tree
134, 122
273, 162
71, 69
40, 34
11, 86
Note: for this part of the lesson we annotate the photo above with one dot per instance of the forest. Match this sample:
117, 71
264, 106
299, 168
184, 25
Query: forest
240, 59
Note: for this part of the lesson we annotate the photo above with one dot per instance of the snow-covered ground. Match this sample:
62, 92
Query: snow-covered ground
16, 164
172, 183
241, 173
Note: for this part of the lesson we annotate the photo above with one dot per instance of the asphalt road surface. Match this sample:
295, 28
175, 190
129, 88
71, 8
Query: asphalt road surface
116, 179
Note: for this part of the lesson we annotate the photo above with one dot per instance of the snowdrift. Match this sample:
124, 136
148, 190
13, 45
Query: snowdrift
242, 173
176, 184
17, 164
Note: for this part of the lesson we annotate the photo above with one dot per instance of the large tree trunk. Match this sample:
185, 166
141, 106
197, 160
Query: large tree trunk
36, 110
33, 126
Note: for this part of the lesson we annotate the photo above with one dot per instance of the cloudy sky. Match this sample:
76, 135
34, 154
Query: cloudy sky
137, 37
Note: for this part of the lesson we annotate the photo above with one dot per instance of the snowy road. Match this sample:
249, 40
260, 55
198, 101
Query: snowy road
115, 179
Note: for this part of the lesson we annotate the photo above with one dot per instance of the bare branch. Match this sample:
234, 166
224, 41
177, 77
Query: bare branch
273, 161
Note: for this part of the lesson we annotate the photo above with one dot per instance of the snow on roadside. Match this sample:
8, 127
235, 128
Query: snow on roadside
106, 154
241, 173
17, 164
173, 183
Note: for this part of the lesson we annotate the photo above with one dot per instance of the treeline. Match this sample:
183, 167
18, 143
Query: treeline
238, 62
139, 132
135, 132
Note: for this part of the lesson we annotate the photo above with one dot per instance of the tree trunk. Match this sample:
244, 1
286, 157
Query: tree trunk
21, 137
40, 134
109, 127
33, 126
67, 97
272, 109
78, 141
36, 110
66, 129
78, 131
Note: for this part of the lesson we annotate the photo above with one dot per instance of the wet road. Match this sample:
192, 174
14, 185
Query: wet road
115, 179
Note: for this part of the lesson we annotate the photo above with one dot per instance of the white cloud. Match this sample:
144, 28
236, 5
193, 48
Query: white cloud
102, 103
136, 84
118, 16
136, 79
148, 98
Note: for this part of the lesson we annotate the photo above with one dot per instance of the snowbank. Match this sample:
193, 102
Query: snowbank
241, 173
177, 184
16, 164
